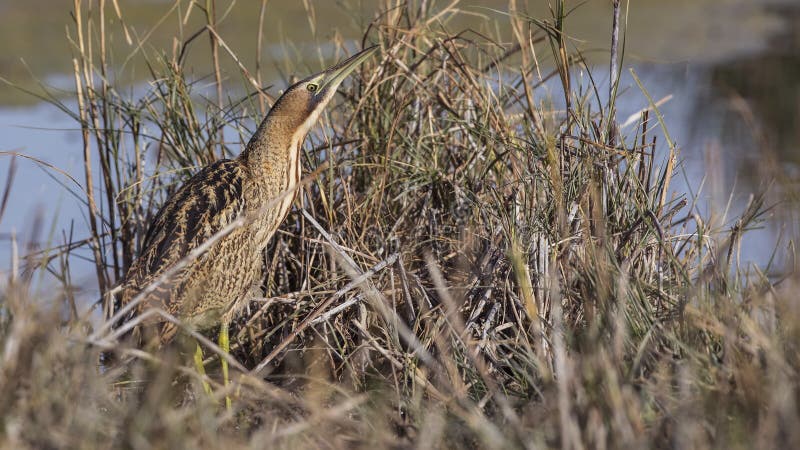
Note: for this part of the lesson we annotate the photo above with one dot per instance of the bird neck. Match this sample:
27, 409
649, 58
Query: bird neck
273, 154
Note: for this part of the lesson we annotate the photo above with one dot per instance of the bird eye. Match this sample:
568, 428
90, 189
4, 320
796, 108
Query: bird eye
311, 87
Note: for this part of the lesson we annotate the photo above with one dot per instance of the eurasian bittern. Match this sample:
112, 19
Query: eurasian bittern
260, 184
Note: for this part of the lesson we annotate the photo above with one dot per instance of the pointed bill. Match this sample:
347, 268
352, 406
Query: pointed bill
336, 74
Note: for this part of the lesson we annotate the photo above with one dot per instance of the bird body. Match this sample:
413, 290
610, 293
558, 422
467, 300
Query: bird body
259, 185
200, 293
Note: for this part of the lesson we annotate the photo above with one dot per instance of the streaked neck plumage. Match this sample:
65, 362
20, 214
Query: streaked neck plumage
274, 150
272, 155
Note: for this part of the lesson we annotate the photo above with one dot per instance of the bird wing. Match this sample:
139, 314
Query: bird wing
204, 205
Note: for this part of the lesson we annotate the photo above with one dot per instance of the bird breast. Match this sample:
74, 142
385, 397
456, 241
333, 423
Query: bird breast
277, 193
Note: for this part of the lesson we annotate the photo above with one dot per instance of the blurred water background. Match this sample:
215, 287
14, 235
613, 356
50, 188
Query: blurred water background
729, 71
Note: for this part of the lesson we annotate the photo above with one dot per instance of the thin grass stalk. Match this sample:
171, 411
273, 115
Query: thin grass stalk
99, 261
211, 23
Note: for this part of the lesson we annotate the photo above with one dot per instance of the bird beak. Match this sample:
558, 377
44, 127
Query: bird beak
336, 74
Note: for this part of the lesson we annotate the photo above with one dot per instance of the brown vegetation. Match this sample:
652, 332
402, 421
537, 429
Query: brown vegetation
469, 264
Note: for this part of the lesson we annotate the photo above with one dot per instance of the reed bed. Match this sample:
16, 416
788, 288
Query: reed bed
479, 258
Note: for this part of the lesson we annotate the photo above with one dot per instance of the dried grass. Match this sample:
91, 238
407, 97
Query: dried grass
473, 267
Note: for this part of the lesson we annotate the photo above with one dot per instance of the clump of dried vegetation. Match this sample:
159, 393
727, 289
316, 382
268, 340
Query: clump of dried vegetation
468, 265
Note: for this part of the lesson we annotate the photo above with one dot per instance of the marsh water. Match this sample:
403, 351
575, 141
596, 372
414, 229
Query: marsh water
728, 70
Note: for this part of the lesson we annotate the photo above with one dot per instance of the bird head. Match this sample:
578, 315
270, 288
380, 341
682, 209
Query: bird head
301, 104
281, 133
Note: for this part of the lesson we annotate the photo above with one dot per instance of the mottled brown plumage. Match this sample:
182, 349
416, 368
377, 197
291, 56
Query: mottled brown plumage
259, 184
